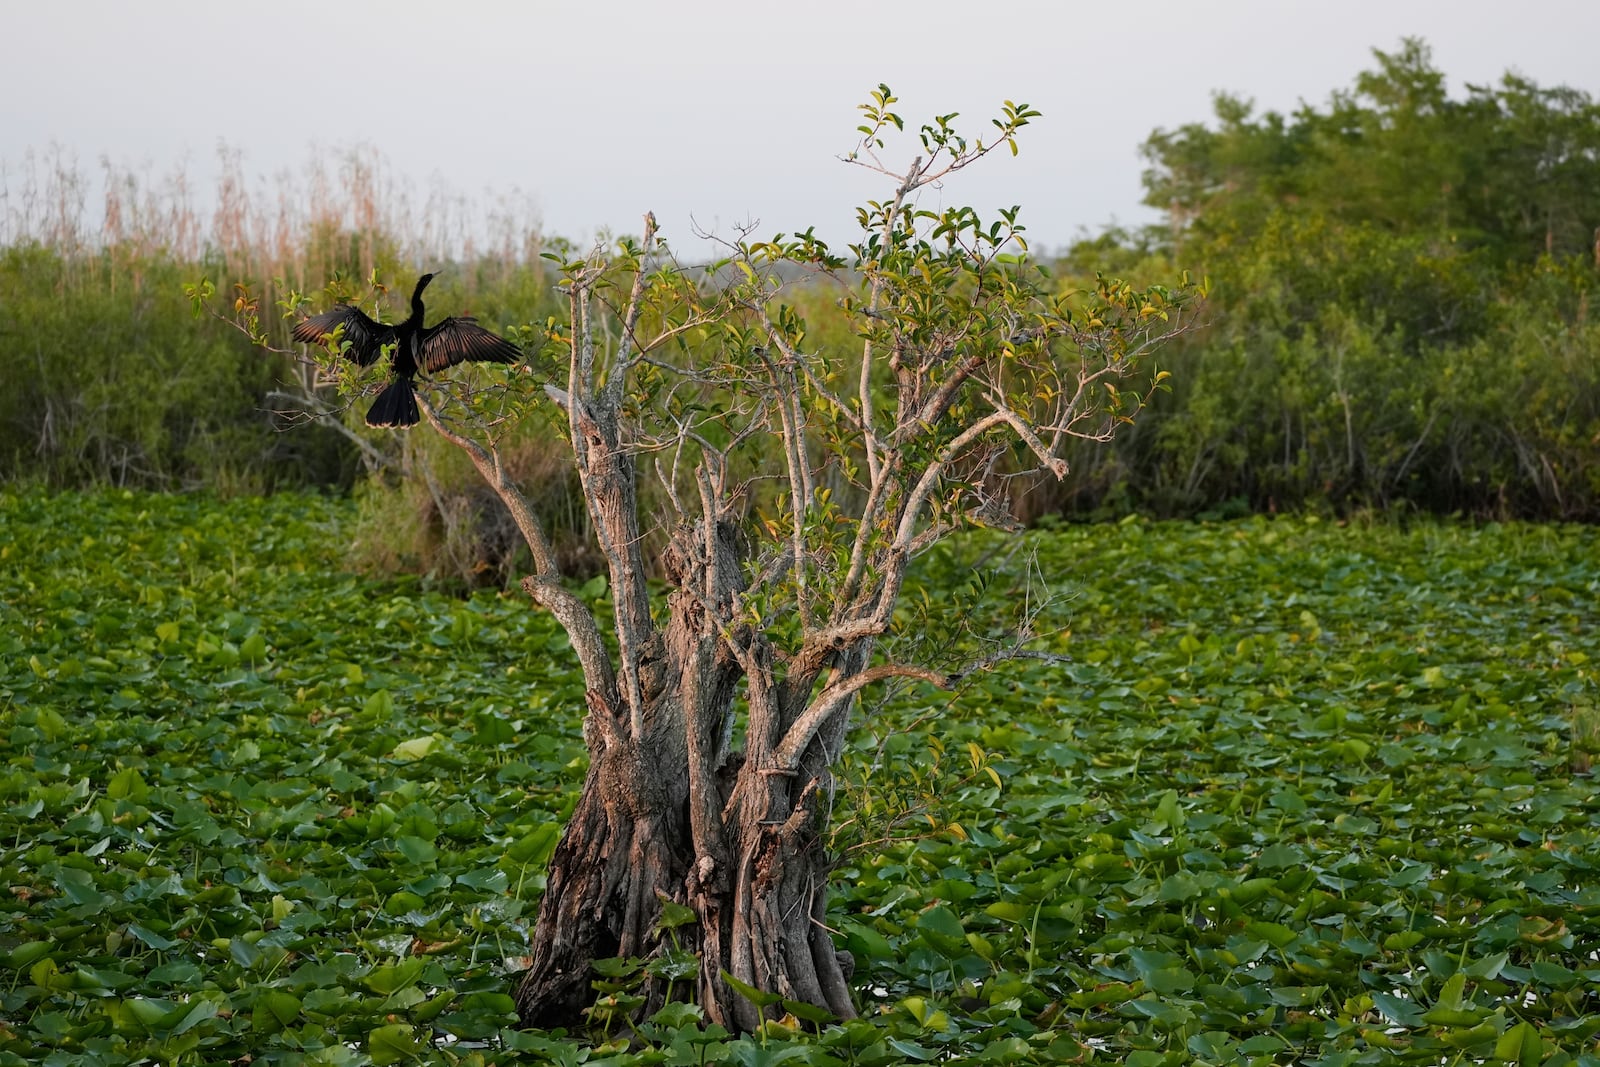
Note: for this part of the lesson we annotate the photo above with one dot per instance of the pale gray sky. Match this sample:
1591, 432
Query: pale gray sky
717, 110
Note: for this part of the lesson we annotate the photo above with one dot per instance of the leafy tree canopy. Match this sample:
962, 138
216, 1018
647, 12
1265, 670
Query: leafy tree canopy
1511, 170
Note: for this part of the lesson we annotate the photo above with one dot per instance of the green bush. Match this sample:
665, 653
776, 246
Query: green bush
114, 382
1399, 308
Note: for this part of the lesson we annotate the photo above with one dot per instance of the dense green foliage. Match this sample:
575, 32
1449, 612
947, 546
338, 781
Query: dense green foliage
1401, 283
111, 380
1305, 791
1400, 279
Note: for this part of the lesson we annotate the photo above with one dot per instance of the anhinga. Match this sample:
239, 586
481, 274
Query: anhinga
415, 347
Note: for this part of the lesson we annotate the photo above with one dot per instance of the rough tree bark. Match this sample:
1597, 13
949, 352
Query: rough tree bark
681, 817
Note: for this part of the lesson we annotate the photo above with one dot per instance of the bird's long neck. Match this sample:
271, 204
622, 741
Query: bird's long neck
416, 298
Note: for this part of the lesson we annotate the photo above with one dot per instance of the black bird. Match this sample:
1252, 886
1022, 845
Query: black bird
416, 347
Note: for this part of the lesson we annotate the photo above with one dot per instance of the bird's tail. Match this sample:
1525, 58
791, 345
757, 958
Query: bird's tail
396, 406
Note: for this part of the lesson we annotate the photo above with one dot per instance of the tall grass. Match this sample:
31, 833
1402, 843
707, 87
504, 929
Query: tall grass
112, 380
345, 212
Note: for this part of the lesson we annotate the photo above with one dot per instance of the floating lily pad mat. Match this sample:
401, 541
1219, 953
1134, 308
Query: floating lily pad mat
1301, 793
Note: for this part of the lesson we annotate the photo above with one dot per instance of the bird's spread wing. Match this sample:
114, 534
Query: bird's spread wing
366, 336
458, 339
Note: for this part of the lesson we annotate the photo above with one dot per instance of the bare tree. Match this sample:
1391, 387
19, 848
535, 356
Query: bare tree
799, 483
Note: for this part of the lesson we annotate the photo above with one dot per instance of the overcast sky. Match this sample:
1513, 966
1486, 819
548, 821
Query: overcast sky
711, 110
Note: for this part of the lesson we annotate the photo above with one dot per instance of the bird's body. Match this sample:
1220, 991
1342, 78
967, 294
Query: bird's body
415, 348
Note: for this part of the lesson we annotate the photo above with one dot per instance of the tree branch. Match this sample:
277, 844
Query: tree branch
328, 415
834, 699
605, 470
630, 317
791, 421
544, 586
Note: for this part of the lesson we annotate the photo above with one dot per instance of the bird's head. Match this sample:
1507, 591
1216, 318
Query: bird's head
422, 283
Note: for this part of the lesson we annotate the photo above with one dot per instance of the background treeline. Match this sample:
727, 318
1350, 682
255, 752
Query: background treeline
1400, 305
1400, 316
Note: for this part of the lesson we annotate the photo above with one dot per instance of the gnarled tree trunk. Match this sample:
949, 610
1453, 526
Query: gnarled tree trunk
623, 849
761, 920
678, 816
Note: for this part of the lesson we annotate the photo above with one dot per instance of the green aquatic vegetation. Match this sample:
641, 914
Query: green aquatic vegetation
1302, 793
